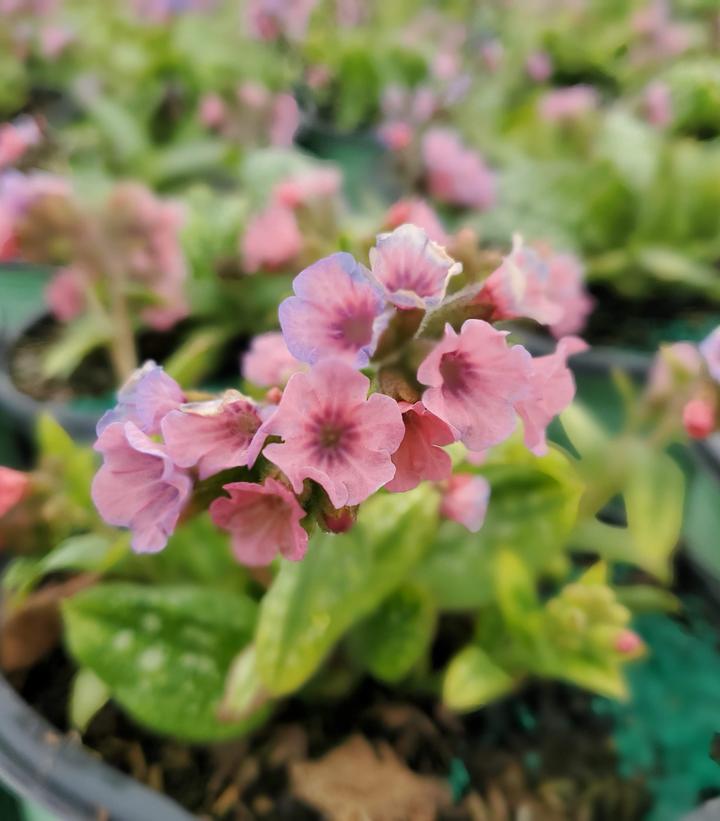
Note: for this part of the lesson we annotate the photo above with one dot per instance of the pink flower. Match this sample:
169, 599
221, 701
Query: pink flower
396, 135
269, 363
147, 396
474, 381
13, 486
334, 434
699, 417
411, 269
214, 435
521, 287
552, 390
272, 19
417, 212
567, 104
539, 66
272, 239
212, 110
303, 189
54, 40
657, 104
628, 643
16, 138
253, 95
138, 486
710, 350
284, 120
492, 54
455, 174
567, 291
420, 456
466, 500
65, 294
336, 312
263, 520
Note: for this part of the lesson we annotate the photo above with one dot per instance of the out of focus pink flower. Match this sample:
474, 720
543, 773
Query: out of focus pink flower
456, 174
628, 643
334, 434
412, 270
54, 40
474, 381
318, 76
272, 239
424, 104
539, 66
160, 11
212, 110
678, 363
269, 363
13, 486
567, 104
492, 53
65, 294
465, 500
138, 486
351, 13
552, 390
397, 135
16, 138
420, 456
660, 37
710, 350
253, 94
417, 212
337, 311
214, 435
263, 520
568, 291
303, 189
657, 104
284, 121
446, 65
273, 19
699, 417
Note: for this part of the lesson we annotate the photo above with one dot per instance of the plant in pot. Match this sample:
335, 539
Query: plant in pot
365, 540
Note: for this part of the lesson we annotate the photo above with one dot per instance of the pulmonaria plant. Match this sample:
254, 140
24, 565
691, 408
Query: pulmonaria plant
377, 370
118, 261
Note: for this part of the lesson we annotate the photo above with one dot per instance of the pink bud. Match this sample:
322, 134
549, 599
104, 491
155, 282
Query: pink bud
699, 418
628, 643
13, 486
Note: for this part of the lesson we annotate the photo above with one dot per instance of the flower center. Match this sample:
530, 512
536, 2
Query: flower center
356, 329
453, 369
330, 436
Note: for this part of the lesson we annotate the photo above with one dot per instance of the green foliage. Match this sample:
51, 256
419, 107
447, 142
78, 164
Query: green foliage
472, 680
163, 652
341, 580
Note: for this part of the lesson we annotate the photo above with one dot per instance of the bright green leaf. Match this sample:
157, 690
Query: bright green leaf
88, 696
472, 680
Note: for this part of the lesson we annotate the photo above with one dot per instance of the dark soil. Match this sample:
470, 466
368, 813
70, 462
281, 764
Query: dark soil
544, 754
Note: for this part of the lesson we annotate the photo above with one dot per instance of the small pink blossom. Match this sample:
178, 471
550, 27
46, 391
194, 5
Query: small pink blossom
710, 350
145, 398
699, 417
539, 66
212, 110
214, 435
13, 486
567, 290
417, 212
568, 104
552, 390
446, 65
628, 643
269, 363
54, 40
253, 95
334, 434
475, 379
465, 500
263, 520
455, 174
396, 136
657, 104
16, 138
272, 239
336, 312
412, 270
284, 120
420, 456
273, 19
138, 486
424, 105
323, 182
65, 294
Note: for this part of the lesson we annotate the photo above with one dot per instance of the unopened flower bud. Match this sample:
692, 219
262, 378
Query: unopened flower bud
628, 643
332, 520
699, 418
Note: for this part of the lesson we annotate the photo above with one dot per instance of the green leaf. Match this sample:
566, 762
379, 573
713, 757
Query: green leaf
702, 523
88, 696
392, 641
163, 652
654, 496
195, 358
342, 579
602, 676
76, 341
73, 463
533, 507
472, 680
515, 589
244, 691
644, 598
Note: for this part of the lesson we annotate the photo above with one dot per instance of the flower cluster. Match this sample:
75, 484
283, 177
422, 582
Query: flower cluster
326, 435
